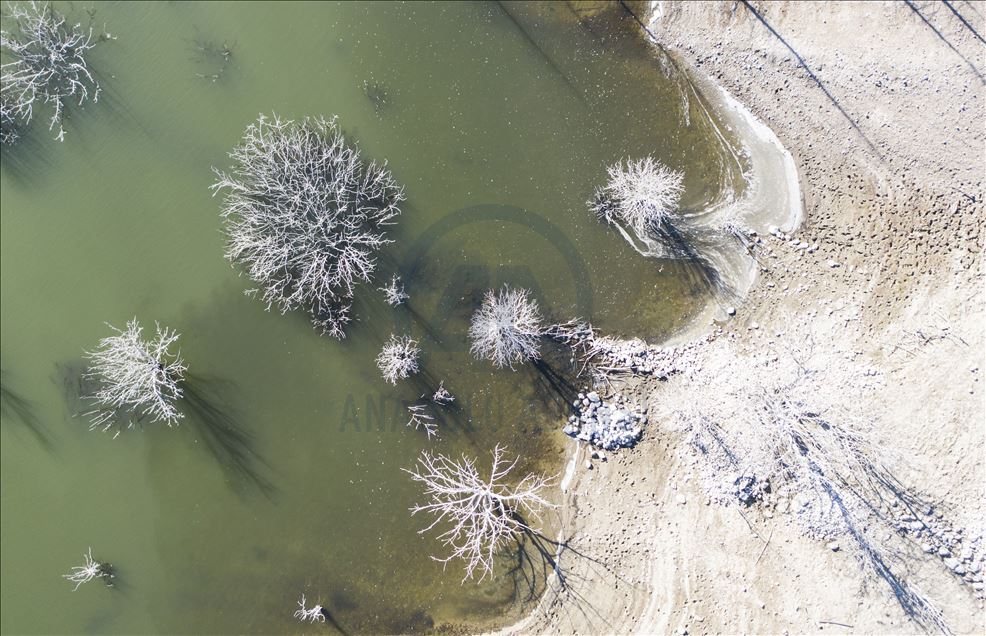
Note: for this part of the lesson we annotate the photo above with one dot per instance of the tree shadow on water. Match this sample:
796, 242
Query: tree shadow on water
27, 160
552, 386
13, 405
331, 620
211, 416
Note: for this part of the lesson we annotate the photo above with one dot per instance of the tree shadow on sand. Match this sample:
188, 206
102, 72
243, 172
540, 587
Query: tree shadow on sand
537, 567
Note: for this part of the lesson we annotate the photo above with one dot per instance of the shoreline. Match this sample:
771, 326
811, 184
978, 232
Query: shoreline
662, 561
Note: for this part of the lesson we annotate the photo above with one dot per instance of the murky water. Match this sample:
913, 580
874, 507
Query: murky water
499, 122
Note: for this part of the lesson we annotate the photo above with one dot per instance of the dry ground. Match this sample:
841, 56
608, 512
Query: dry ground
882, 106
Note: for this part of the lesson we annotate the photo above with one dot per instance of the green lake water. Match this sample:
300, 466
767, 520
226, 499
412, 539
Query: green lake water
499, 121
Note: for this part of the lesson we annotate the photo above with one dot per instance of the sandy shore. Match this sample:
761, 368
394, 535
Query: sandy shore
881, 106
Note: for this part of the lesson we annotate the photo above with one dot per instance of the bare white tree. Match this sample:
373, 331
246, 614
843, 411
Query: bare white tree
640, 196
420, 418
303, 613
91, 570
507, 328
399, 358
442, 395
394, 292
484, 513
136, 377
306, 216
47, 64
11, 122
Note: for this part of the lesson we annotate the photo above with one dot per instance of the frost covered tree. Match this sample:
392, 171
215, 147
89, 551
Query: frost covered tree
442, 395
10, 123
305, 216
92, 569
135, 378
420, 418
399, 358
394, 292
641, 200
507, 328
483, 512
47, 64
641, 196
312, 615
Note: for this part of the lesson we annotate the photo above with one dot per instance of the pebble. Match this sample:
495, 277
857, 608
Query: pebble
833, 546
833, 264
680, 500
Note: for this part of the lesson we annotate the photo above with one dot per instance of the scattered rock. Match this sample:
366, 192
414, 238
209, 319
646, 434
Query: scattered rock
603, 425
833, 546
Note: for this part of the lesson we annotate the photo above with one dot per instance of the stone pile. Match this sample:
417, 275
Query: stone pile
605, 425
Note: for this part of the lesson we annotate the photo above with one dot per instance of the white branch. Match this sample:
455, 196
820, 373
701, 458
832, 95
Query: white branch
311, 615
394, 292
507, 328
306, 216
91, 570
136, 377
399, 358
481, 514
47, 64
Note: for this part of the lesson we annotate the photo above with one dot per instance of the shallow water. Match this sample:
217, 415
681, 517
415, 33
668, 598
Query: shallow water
499, 124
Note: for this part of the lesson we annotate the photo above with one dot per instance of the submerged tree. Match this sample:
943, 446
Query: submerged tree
442, 395
507, 328
420, 418
91, 570
306, 216
641, 201
394, 292
312, 615
10, 123
399, 358
641, 195
136, 378
48, 64
485, 513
